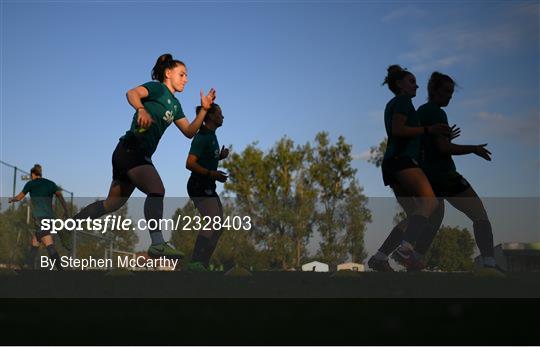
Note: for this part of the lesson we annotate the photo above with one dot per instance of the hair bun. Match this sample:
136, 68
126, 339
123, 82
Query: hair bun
165, 58
36, 170
392, 69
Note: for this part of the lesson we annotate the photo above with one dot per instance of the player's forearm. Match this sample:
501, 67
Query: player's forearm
197, 122
461, 149
134, 99
406, 131
17, 198
198, 169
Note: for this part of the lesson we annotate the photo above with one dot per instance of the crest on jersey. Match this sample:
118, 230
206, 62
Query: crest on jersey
168, 117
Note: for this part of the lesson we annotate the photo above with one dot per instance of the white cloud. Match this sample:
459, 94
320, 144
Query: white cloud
437, 64
485, 97
364, 156
408, 11
524, 129
463, 42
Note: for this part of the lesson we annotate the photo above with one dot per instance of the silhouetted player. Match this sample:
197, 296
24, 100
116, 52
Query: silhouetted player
203, 160
401, 170
41, 193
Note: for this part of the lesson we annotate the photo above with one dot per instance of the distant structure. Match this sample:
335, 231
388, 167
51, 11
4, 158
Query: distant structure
350, 267
516, 257
315, 266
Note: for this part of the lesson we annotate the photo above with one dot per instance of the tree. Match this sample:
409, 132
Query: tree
292, 191
237, 246
377, 153
124, 240
451, 250
356, 215
17, 227
376, 158
331, 173
234, 246
275, 191
15, 234
94, 243
184, 240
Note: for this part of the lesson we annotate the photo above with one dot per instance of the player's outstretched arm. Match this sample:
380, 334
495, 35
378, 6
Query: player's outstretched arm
190, 129
18, 197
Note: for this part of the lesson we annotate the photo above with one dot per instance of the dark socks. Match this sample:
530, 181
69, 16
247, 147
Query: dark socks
211, 248
31, 259
417, 224
202, 249
153, 209
393, 240
484, 237
94, 210
53, 254
426, 238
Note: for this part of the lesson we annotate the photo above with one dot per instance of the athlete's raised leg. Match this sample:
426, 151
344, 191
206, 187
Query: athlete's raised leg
471, 205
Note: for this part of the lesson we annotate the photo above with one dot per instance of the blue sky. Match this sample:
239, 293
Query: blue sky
284, 68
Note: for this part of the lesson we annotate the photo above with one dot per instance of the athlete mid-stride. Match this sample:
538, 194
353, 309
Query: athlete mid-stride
401, 170
156, 108
41, 192
441, 171
203, 159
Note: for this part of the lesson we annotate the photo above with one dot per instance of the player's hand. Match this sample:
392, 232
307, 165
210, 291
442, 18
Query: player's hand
440, 129
219, 176
482, 151
10, 200
144, 120
224, 153
208, 100
454, 132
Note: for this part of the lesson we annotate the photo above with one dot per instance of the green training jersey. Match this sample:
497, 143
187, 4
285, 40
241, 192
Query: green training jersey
401, 146
206, 147
164, 109
41, 193
436, 165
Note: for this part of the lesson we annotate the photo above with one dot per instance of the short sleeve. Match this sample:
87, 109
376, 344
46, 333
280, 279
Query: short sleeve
27, 187
197, 146
443, 117
55, 188
179, 114
403, 105
430, 114
424, 115
155, 89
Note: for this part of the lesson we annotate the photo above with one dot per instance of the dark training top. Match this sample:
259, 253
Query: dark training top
437, 166
164, 108
205, 147
401, 146
41, 192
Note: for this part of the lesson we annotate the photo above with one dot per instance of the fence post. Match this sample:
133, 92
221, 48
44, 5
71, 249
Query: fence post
71, 208
14, 186
74, 244
111, 244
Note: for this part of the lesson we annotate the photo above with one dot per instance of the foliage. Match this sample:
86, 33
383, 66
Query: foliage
451, 250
